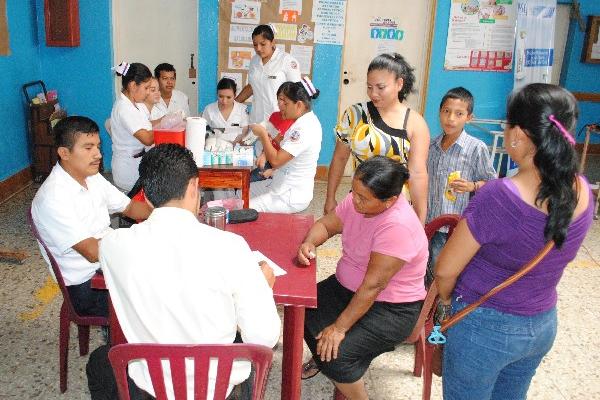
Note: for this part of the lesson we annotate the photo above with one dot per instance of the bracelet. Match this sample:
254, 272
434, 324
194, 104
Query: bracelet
475, 187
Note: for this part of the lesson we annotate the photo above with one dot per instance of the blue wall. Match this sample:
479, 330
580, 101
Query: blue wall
84, 81
82, 75
581, 77
489, 88
21, 66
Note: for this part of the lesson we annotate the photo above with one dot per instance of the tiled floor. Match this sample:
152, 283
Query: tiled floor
29, 307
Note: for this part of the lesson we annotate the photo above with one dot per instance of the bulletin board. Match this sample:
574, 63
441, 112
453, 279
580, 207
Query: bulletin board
4, 47
237, 20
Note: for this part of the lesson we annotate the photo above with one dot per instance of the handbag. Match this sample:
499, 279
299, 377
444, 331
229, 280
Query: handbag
436, 337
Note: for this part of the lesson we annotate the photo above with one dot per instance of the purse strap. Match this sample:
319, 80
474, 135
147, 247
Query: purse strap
511, 279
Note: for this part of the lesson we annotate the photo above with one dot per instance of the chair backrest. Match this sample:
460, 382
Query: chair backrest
449, 220
53, 264
261, 358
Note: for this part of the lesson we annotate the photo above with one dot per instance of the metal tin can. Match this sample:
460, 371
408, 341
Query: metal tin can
215, 217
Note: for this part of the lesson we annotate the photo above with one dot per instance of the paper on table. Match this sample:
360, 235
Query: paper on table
277, 270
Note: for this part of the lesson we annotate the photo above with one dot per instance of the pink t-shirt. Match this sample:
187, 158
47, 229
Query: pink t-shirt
396, 232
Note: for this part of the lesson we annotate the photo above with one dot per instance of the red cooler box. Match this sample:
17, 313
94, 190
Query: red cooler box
171, 135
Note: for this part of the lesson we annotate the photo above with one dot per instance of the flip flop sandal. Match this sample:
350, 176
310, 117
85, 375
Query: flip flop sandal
310, 369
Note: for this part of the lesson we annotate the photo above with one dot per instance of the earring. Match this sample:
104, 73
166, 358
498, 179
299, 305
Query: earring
513, 144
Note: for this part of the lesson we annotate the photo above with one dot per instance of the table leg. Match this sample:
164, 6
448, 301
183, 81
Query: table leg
293, 337
116, 334
246, 189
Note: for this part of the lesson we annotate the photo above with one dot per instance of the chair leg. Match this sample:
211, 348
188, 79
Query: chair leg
427, 372
337, 395
84, 339
419, 355
63, 346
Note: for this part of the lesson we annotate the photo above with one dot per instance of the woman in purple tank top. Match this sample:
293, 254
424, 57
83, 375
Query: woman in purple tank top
493, 352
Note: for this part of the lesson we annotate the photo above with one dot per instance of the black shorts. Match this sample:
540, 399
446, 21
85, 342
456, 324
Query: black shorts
380, 330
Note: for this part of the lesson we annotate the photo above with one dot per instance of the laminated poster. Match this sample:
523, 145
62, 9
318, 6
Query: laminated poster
481, 35
304, 56
239, 57
239, 33
245, 12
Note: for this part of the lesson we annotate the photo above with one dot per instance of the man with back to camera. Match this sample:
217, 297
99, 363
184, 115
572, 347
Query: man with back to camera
173, 279
71, 211
171, 99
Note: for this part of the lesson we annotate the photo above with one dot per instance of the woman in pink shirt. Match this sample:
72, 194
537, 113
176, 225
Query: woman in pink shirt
373, 301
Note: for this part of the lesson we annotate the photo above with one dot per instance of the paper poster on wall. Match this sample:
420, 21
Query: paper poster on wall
325, 34
329, 11
481, 35
245, 12
290, 5
304, 56
305, 34
237, 78
239, 57
329, 17
286, 31
239, 33
382, 28
534, 48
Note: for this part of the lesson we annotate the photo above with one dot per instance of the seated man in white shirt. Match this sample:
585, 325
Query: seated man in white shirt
71, 211
173, 279
171, 99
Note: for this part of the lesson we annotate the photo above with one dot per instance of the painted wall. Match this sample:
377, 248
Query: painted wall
581, 77
82, 75
491, 89
326, 73
84, 81
21, 66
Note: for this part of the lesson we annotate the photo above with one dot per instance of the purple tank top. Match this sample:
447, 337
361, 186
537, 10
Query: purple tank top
511, 233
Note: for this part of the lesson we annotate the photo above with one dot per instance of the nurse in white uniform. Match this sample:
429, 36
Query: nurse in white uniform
148, 106
227, 118
268, 69
131, 129
295, 163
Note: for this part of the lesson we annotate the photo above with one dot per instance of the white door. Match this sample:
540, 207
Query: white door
384, 26
156, 31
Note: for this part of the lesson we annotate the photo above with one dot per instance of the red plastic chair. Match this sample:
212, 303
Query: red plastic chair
67, 315
424, 325
260, 356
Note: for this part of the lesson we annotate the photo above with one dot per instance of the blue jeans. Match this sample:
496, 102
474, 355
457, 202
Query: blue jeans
436, 244
494, 355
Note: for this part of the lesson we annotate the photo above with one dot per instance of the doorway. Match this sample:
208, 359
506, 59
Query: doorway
384, 26
156, 31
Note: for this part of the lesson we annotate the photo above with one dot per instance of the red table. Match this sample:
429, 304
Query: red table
277, 236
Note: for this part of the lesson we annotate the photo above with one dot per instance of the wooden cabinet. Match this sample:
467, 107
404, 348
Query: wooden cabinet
62, 23
43, 150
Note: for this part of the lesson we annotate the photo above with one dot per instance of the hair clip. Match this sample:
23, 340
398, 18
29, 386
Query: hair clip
121, 68
562, 129
308, 86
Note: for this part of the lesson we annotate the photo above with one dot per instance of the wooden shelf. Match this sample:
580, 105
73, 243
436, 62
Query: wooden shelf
587, 96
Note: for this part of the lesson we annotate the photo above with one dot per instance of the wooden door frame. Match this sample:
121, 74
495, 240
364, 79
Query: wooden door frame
425, 85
